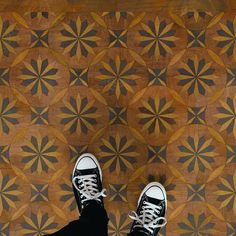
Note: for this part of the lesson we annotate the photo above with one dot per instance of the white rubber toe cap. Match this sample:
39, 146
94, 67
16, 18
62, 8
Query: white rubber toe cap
86, 163
155, 192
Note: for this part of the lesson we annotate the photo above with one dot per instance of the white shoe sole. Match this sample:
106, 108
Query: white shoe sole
151, 185
92, 157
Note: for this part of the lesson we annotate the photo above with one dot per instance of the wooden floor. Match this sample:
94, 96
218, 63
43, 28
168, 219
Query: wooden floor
148, 87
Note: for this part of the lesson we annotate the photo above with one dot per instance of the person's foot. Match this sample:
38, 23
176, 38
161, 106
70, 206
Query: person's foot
150, 214
87, 181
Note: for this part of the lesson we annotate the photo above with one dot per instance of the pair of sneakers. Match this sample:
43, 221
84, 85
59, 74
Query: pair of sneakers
152, 204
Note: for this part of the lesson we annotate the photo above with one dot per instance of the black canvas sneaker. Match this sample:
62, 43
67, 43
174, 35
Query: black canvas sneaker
87, 181
150, 214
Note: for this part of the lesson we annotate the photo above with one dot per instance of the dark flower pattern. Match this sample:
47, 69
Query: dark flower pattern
231, 153
79, 115
118, 153
118, 38
8, 38
78, 77
78, 38
39, 115
157, 153
119, 225
4, 76
197, 224
226, 38
227, 192
8, 114
9, 193
67, 195
196, 115
156, 115
39, 77
196, 192
196, 77
227, 115
196, 38
4, 229
118, 115
118, 14
39, 154
4, 154
39, 192
231, 76
157, 38
39, 38
117, 77
231, 229
38, 224
39, 15
196, 153
157, 77
195, 13
118, 192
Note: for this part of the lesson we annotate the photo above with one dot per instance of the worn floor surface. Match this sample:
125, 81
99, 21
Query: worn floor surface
151, 93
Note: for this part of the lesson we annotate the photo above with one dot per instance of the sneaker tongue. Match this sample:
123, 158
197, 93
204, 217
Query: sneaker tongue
86, 171
154, 200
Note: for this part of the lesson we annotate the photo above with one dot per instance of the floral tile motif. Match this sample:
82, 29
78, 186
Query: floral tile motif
38, 223
78, 77
39, 115
196, 153
4, 229
118, 77
226, 192
119, 224
196, 38
196, 192
157, 38
9, 192
78, 115
118, 192
226, 115
39, 192
151, 94
225, 39
118, 153
196, 115
118, 38
39, 38
196, 77
8, 114
78, 38
4, 154
199, 223
4, 76
67, 195
39, 154
9, 38
118, 115
39, 77
156, 115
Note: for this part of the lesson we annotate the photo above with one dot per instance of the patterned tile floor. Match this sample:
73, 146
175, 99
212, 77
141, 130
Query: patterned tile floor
152, 94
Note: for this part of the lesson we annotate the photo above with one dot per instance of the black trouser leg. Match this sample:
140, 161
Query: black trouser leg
92, 222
